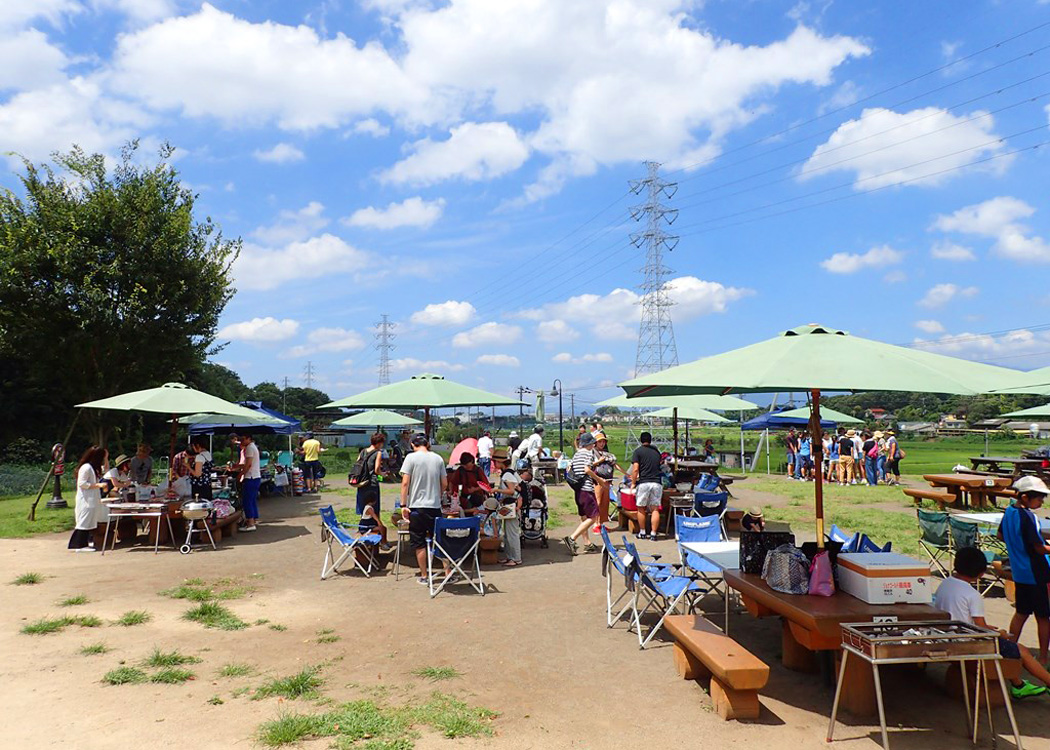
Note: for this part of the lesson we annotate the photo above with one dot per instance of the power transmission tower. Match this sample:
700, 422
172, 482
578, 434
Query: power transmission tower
656, 347
384, 335
308, 374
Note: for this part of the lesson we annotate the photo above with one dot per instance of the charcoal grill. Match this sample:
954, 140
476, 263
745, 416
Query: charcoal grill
924, 642
196, 511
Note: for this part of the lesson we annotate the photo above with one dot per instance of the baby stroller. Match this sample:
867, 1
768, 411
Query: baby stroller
534, 513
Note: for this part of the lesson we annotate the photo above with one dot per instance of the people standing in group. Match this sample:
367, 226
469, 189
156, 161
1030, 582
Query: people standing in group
250, 473
1027, 551
894, 454
647, 477
869, 450
372, 472
880, 459
142, 464
88, 510
118, 477
513, 442
803, 457
423, 484
530, 448
604, 466
576, 440
847, 453
791, 444
511, 503
181, 463
469, 484
586, 501
312, 450
485, 446
858, 453
200, 469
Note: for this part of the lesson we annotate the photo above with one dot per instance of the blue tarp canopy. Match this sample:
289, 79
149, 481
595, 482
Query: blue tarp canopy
232, 425
773, 421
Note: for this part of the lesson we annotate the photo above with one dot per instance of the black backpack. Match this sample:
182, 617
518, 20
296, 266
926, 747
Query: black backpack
359, 476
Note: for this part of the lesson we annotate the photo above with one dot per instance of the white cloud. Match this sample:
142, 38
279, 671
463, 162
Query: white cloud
15, 13
293, 226
883, 147
945, 250
499, 360
327, 340
420, 365
260, 330
449, 313
566, 358
371, 126
555, 331
474, 151
883, 255
929, 326
615, 316
267, 268
411, 212
281, 153
1011, 348
941, 294
139, 10
895, 277
487, 334
29, 61
999, 218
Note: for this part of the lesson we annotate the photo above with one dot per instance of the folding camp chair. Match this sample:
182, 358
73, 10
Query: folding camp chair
334, 532
864, 544
707, 504
455, 541
847, 540
934, 538
612, 560
967, 534
700, 530
664, 595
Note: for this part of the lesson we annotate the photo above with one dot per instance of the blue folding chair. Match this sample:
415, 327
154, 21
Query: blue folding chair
663, 595
864, 544
334, 532
707, 504
455, 542
284, 458
708, 483
847, 540
700, 530
612, 560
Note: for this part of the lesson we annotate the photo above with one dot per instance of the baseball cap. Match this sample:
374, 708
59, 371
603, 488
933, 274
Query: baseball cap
309, 436
586, 439
1031, 484
420, 438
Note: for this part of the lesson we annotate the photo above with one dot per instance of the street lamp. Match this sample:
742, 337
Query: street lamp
556, 391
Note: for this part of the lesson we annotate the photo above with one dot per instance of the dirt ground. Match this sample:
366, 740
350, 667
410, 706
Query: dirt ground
535, 649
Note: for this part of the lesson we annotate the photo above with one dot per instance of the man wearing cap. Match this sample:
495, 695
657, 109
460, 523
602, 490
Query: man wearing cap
423, 483
312, 451
1027, 551
586, 501
485, 446
846, 450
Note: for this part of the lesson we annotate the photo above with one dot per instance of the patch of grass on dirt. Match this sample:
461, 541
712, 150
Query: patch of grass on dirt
48, 625
453, 718
95, 649
161, 659
236, 670
215, 701
278, 627
87, 621
437, 674
327, 635
74, 601
172, 676
212, 615
303, 684
28, 579
195, 589
134, 617
124, 676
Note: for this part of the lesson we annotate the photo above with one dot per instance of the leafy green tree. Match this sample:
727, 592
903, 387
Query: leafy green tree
108, 283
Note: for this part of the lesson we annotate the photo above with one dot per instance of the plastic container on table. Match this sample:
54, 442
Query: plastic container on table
885, 578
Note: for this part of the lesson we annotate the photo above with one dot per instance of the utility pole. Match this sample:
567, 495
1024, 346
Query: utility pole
284, 396
384, 335
308, 374
521, 406
572, 406
656, 345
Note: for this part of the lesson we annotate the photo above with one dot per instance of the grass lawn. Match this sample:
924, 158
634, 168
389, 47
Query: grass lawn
14, 512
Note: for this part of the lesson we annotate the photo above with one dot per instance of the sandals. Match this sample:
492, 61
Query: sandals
511, 564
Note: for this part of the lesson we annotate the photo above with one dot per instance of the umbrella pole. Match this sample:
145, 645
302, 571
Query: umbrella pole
818, 459
426, 421
676, 435
742, 467
171, 447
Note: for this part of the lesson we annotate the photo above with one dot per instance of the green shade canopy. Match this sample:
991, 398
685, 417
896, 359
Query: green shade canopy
376, 418
1035, 381
703, 401
170, 399
426, 391
691, 414
1035, 411
825, 413
260, 419
813, 357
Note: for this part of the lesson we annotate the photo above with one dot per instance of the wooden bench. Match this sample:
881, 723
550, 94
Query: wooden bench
702, 651
226, 526
938, 496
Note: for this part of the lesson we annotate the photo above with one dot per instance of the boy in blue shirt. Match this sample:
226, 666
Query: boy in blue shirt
1027, 551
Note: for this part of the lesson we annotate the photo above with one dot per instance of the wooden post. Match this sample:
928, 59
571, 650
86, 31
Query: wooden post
817, 450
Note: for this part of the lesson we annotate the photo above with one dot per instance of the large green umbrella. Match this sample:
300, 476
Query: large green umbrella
1035, 381
814, 358
426, 391
1035, 411
825, 413
378, 418
690, 413
702, 401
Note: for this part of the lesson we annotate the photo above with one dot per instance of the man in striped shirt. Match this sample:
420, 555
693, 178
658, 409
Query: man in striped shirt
586, 502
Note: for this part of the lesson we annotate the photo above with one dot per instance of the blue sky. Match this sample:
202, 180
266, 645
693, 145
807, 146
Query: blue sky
462, 166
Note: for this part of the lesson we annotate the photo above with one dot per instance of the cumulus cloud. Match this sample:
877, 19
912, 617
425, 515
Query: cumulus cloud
264, 268
292, 226
487, 334
327, 340
411, 212
499, 360
371, 126
15, 13
929, 326
883, 147
555, 331
260, 330
895, 277
941, 294
945, 250
423, 365
999, 218
448, 313
474, 151
29, 61
566, 358
141, 11
1012, 348
884, 255
281, 153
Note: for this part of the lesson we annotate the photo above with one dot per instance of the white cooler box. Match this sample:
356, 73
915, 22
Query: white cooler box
885, 578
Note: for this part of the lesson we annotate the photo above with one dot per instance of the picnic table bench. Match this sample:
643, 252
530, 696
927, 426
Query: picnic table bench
940, 497
1014, 464
702, 651
979, 490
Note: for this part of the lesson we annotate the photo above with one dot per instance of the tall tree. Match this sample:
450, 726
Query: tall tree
108, 283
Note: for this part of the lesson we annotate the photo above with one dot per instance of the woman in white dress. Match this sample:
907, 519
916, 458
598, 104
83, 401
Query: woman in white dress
89, 509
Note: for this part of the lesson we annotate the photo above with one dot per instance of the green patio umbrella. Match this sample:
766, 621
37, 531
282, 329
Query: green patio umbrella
425, 391
690, 414
825, 413
1035, 381
378, 418
702, 401
1035, 411
815, 358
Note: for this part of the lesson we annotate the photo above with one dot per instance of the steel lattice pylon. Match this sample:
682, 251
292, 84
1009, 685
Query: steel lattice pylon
656, 347
384, 335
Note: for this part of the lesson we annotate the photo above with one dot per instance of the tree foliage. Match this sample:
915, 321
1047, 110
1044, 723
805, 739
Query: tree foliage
108, 283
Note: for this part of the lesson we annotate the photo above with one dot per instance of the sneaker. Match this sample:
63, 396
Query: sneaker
652, 536
641, 535
1026, 690
422, 581
592, 547
85, 549
248, 528
571, 544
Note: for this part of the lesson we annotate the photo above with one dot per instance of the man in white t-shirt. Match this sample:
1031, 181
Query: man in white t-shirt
485, 446
423, 484
251, 478
958, 597
531, 446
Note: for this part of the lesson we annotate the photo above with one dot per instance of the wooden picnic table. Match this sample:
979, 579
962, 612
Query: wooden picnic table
812, 624
1015, 464
979, 489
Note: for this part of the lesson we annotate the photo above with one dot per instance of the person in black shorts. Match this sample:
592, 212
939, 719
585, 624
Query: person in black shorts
423, 484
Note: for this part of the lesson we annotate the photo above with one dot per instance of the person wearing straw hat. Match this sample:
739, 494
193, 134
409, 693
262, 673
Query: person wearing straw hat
753, 520
846, 455
119, 476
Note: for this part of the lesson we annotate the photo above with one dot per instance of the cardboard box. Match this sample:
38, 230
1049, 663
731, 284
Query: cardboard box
885, 578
